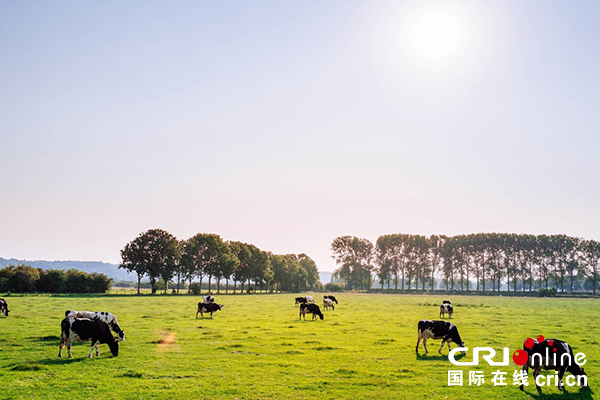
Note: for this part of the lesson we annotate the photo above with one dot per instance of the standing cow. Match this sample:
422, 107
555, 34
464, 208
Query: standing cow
446, 308
328, 303
4, 307
332, 298
205, 307
310, 308
444, 330
107, 317
300, 300
84, 329
553, 354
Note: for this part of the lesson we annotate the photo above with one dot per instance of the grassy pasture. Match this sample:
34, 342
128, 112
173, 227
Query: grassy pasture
256, 348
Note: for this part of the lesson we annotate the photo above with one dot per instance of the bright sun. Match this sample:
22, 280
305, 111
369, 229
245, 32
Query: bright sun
435, 35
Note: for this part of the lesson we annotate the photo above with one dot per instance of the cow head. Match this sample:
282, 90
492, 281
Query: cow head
6, 311
220, 306
114, 348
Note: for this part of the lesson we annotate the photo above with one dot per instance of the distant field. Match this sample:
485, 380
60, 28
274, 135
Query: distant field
256, 348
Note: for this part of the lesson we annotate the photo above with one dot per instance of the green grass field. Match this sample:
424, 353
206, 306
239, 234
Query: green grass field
256, 348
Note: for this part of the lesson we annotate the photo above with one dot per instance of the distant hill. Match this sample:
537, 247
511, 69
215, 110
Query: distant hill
325, 277
110, 270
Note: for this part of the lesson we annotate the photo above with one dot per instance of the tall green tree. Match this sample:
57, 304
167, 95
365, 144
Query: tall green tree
153, 253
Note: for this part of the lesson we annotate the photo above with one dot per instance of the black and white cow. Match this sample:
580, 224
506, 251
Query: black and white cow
332, 298
310, 308
446, 302
107, 317
4, 307
306, 299
446, 308
300, 300
205, 307
447, 331
84, 329
543, 356
328, 303
209, 299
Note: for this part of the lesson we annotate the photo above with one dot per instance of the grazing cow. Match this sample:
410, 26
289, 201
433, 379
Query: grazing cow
332, 298
310, 308
300, 300
309, 299
446, 309
107, 317
84, 329
328, 303
204, 307
209, 299
4, 307
542, 356
444, 330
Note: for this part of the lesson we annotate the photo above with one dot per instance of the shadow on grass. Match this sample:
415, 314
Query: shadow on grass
576, 393
40, 364
52, 338
437, 357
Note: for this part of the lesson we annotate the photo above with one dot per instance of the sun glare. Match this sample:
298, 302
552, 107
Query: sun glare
435, 35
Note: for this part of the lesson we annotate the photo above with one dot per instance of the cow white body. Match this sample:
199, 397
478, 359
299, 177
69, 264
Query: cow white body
446, 309
94, 329
107, 317
327, 303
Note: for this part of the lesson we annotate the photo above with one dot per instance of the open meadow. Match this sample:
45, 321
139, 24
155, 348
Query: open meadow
257, 348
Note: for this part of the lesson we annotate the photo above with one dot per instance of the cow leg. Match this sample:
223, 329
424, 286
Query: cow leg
442, 346
62, 344
92, 348
449, 348
536, 372
69, 343
418, 341
561, 373
526, 369
197, 313
97, 348
425, 345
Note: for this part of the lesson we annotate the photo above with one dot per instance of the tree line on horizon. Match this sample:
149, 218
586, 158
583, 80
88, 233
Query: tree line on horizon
158, 255
522, 261
24, 278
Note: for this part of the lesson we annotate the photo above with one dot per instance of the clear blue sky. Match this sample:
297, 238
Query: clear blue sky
287, 124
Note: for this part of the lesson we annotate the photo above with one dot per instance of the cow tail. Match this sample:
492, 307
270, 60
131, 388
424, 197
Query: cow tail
64, 327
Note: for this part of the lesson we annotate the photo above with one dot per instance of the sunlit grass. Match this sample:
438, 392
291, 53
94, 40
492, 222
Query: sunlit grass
256, 347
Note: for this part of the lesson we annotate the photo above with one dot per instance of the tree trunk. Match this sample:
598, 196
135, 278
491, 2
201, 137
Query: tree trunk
139, 283
166, 286
178, 281
403, 279
571, 282
209, 279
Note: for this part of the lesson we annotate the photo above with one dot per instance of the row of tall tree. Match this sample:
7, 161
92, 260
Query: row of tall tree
24, 278
521, 261
158, 255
